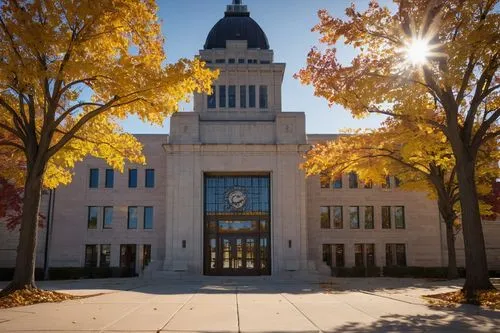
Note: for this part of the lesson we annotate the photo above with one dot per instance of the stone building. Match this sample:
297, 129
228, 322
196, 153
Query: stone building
223, 193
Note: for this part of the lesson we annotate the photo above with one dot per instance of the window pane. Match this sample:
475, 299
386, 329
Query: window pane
90, 255
386, 217
148, 217
94, 178
354, 217
370, 255
389, 255
327, 254
241, 61
251, 96
338, 221
243, 97
359, 255
339, 255
263, 97
211, 99
232, 96
231, 60
368, 184
387, 183
128, 256
108, 218
132, 218
397, 182
92, 217
337, 182
222, 96
369, 222
146, 255
132, 178
353, 180
325, 217
324, 180
401, 254
399, 216
110, 178
150, 178
105, 257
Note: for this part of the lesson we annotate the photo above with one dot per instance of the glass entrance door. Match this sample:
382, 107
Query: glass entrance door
238, 255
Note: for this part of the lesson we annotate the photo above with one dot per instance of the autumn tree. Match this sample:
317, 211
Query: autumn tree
421, 159
69, 71
426, 55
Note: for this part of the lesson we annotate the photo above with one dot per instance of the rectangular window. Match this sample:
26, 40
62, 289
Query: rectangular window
327, 254
90, 255
243, 97
231, 60
353, 180
241, 61
148, 217
94, 178
146, 255
368, 184
370, 255
395, 254
359, 255
387, 183
110, 178
325, 217
263, 97
339, 255
107, 218
150, 178
132, 218
220, 61
369, 217
354, 217
337, 183
128, 256
397, 182
93, 212
338, 221
222, 96
265, 62
324, 180
105, 256
211, 99
132, 178
232, 96
399, 217
251, 96
386, 217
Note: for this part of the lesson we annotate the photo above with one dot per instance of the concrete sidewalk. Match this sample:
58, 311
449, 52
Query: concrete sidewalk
248, 305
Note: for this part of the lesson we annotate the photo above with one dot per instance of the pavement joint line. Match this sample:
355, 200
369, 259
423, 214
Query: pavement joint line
103, 329
302, 313
388, 297
177, 311
238, 310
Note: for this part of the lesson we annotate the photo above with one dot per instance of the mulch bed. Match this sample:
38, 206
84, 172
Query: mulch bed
489, 299
35, 296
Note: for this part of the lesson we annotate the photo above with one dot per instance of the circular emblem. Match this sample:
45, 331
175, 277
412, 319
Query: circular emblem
236, 198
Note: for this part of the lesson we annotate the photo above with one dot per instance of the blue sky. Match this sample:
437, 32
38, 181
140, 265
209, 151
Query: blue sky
287, 25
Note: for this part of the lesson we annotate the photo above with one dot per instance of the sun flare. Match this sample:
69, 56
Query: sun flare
418, 51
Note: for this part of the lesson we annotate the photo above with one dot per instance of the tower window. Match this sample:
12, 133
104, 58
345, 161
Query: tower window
220, 61
263, 97
241, 61
251, 96
231, 61
232, 96
211, 100
94, 178
222, 96
243, 97
265, 62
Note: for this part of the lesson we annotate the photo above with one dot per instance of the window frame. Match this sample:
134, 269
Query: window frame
91, 262
222, 96
372, 208
212, 99
149, 178
403, 226
388, 215
243, 96
357, 217
231, 96
89, 210
252, 96
132, 178
335, 209
129, 226
263, 97
109, 178
325, 220
353, 180
147, 208
103, 256
93, 178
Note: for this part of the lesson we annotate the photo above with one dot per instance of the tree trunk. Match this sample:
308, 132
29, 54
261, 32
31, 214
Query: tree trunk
476, 266
24, 275
452, 255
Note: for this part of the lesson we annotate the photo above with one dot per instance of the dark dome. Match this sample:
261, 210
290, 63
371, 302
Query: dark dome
236, 26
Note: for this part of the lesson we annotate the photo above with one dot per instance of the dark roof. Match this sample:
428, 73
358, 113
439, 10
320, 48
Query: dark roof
236, 26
